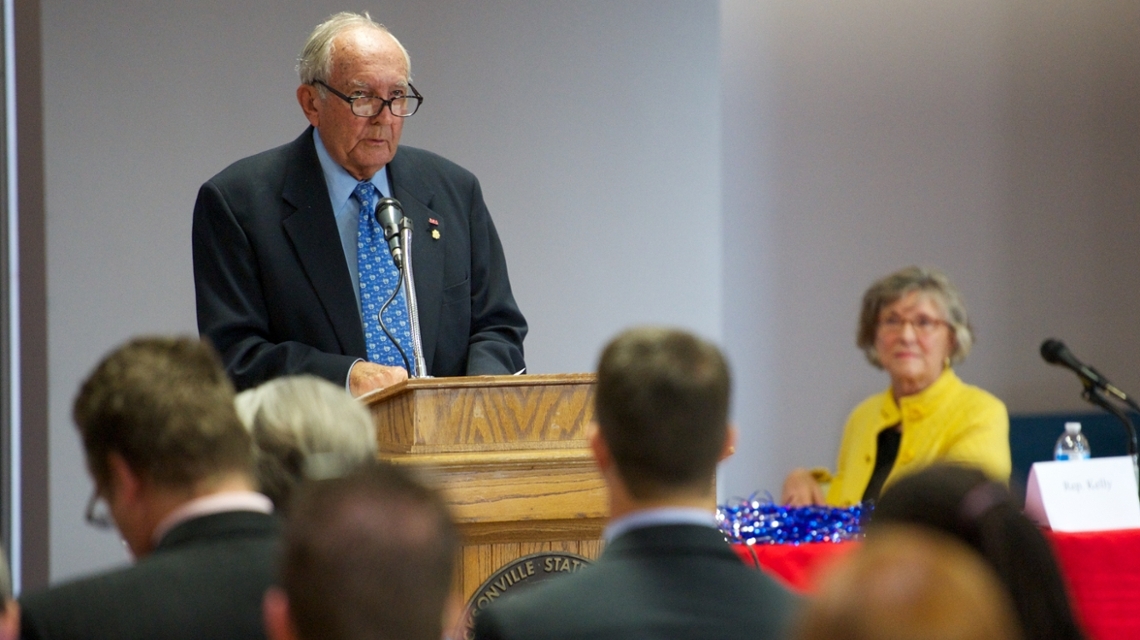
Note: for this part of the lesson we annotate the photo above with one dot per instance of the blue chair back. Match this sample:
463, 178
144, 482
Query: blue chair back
1033, 436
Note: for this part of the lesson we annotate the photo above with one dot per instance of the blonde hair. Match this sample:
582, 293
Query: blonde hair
304, 427
907, 583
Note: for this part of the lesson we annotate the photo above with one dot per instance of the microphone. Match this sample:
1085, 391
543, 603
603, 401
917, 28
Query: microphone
389, 213
1055, 352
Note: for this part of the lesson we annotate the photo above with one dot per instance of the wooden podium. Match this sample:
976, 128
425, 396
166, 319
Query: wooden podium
511, 457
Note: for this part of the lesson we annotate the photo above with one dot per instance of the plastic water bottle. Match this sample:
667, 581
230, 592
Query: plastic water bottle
1072, 445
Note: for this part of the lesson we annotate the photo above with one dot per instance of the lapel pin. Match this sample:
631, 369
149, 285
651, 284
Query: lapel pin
434, 230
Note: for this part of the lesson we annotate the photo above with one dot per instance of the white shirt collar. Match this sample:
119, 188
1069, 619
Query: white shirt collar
211, 504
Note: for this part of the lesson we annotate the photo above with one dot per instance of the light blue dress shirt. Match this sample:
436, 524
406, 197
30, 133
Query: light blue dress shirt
345, 208
658, 517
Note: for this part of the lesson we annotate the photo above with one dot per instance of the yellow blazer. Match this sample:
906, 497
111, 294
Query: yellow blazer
949, 421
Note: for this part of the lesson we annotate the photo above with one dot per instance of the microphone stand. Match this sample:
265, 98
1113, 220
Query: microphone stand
1093, 395
409, 284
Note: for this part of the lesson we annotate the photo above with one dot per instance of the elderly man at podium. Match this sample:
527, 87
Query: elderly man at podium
662, 427
291, 268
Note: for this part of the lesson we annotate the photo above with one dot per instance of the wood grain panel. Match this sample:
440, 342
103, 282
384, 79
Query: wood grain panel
544, 530
515, 486
509, 454
502, 413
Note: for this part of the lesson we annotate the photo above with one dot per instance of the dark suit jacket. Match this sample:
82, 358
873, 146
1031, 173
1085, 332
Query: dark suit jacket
673, 581
205, 579
274, 293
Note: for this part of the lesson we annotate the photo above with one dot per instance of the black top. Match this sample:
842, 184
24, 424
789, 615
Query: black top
887, 450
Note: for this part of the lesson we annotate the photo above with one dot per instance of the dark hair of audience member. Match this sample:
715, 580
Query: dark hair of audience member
963, 502
368, 556
661, 404
167, 407
910, 583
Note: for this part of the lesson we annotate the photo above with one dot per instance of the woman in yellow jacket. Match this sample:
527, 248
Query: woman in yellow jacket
914, 326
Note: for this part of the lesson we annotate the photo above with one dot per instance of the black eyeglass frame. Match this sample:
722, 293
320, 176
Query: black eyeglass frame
383, 103
97, 520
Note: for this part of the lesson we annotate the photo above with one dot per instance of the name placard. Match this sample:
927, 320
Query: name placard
1084, 495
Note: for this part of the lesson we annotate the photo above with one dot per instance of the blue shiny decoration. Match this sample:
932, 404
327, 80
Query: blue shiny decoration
754, 521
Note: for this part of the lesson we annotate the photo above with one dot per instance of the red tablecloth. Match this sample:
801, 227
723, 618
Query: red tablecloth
1102, 570
797, 566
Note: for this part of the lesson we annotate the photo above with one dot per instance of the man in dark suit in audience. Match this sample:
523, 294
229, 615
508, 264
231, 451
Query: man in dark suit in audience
369, 556
661, 408
173, 466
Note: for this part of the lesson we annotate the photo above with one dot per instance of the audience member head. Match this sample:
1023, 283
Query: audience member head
963, 502
159, 428
304, 427
928, 282
910, 583
9, 608
661, 407
365, 557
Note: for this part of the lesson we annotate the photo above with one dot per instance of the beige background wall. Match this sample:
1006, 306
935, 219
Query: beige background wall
997, 139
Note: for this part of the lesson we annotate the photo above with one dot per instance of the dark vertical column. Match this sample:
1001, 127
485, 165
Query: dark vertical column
33, 297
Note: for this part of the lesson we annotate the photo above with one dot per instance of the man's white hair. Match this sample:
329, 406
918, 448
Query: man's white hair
315, 61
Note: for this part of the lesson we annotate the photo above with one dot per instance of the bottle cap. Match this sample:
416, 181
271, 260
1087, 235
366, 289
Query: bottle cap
1072, 428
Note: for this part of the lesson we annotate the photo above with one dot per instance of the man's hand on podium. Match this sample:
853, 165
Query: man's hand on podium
369, 376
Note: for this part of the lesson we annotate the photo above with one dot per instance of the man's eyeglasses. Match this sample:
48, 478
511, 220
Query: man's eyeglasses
97, 513
922, 325
371, 106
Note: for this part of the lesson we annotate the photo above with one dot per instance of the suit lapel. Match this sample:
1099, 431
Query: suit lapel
427, 257
312, 230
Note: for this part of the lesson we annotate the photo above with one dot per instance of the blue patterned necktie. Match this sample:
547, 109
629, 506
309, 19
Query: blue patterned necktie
378, 278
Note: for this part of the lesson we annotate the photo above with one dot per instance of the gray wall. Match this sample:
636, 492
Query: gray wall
740, 168
604, 188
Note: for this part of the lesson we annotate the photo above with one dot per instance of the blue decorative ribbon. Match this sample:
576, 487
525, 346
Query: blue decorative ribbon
755, 521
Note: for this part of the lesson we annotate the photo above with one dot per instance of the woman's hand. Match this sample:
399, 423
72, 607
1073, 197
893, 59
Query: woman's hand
801, 489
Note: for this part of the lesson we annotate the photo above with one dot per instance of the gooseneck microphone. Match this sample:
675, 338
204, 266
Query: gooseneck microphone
398, 232
1055, 352
389, 213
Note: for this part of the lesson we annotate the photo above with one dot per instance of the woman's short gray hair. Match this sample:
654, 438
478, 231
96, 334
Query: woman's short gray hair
315, 61
890, 289
304, 427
